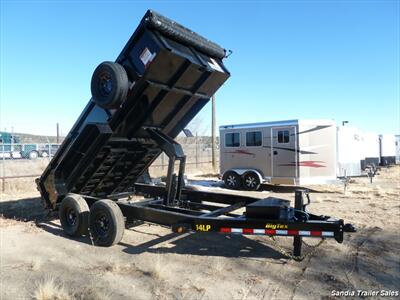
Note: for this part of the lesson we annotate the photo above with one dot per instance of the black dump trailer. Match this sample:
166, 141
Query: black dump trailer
163, 77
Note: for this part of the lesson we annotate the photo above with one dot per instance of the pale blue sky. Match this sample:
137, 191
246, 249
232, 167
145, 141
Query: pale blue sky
291, 59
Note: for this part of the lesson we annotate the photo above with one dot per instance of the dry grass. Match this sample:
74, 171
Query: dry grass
36, 167
92, 293
216, 267
23, 167
51, 289
157, 269
34, 265
392, 172
20, 168
20, 185
115, 268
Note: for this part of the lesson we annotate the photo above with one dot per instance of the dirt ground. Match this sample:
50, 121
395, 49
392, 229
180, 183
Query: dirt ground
38, 259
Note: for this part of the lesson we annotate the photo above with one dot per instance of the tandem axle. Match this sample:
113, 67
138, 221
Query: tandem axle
202, 212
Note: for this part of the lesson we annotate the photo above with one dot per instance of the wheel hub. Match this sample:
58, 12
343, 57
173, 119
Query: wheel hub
251, 182
71, 217
106, 84
231, 180
102, 225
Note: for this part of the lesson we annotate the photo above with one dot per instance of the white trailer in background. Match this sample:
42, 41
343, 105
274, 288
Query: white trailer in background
371, 150
387, 149
350, 151
300, 152
398, 149
283, 152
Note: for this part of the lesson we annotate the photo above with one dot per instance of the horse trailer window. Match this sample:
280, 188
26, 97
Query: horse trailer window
232, 139
253, 139
283, 136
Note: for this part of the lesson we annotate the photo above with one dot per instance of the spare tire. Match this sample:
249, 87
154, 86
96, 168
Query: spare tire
109, 85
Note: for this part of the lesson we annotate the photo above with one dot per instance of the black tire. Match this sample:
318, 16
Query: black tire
251, 181
106, 223
109, 85
232, 180
74, 215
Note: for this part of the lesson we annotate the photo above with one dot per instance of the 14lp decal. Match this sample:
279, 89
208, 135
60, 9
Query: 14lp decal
203, 227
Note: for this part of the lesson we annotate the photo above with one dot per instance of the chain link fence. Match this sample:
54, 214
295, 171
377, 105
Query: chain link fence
20, 164
27, 151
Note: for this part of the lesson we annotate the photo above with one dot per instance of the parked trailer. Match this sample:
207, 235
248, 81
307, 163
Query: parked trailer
397, 149
387, 149
371, 155
350, 151
283, 152
8, 145
160, 81
294, 152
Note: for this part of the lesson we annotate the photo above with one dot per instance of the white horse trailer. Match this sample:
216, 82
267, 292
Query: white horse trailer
398, 149
387, 149
284, 152
349, 151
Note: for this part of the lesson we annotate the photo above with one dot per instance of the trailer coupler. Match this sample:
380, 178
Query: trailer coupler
298, 224
349, 228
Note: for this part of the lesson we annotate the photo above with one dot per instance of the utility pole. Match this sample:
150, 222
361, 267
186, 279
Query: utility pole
213, 142
58, 134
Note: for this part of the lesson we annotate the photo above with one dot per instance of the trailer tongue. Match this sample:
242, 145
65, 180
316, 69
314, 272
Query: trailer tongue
163, 77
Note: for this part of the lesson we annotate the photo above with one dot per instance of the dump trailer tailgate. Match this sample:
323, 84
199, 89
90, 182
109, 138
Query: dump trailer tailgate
172, 72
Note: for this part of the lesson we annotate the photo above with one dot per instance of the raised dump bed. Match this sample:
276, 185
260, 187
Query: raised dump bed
163, 77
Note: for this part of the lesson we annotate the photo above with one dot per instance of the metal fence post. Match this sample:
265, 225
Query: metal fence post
196, 150
213, 125
3, 185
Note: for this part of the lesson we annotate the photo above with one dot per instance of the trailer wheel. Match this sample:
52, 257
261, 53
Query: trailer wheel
106, 223
33, 154
232, 180
74, 215
109, 85
251, 181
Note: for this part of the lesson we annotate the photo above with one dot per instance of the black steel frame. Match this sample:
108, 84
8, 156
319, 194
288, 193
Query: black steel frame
190, 210
203, 212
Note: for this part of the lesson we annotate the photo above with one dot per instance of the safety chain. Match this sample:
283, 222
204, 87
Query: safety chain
286, 253
91, 237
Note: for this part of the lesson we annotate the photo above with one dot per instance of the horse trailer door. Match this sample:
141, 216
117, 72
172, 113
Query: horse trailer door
284, 154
